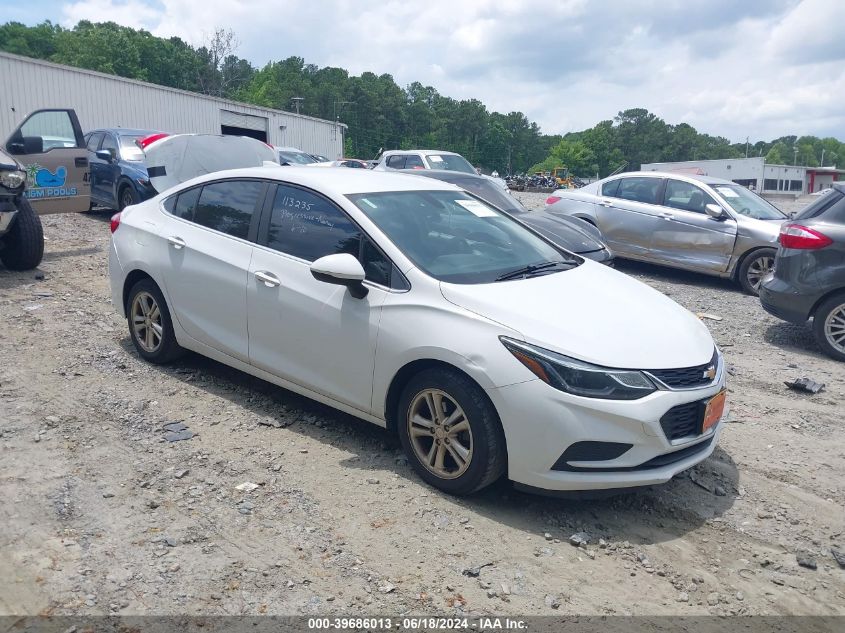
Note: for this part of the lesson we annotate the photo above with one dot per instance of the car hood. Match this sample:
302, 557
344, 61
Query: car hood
595, 314
572, 234
7, 162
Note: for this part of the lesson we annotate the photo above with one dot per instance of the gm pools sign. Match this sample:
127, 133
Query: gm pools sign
45, 184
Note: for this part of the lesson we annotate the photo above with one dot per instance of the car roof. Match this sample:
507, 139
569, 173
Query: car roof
339, 181
289, 149
125, 131
707, 180
424, 152
448, 175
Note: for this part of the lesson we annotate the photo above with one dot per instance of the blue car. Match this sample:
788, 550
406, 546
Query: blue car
118, 174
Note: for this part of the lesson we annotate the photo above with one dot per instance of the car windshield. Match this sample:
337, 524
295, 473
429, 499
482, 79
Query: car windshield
450, 162
295, 158
129, 149
748, 203
454, 237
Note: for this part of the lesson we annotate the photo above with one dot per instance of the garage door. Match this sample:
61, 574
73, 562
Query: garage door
243, 121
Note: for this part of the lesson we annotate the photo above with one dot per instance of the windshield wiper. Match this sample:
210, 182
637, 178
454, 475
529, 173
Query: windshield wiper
530, 269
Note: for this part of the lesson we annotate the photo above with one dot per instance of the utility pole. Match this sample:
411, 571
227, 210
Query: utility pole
822, 162
746, 147
297, 101
337, 114
794, 155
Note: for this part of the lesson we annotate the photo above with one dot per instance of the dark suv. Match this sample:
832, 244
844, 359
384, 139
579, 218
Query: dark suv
809, 275
118, 173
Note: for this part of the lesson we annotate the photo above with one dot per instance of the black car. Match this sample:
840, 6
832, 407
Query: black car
570, 233
809, 274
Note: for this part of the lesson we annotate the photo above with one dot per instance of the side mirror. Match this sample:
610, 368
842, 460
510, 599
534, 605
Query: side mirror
342, 269
26, 145
715, 211
104, 154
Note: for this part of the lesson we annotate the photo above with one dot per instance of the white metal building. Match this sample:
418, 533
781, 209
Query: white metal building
107, 101
756, 174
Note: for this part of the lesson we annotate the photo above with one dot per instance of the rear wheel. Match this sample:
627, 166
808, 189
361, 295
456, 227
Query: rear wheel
754, 268
150, 325
23, 244
829, 326
451, 432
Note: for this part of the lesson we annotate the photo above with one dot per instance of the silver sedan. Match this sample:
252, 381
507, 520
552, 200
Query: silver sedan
693, 222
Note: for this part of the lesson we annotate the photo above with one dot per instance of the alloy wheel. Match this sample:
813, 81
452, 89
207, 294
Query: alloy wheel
440, 433
126, 198
758, 269
834, 328
146, 322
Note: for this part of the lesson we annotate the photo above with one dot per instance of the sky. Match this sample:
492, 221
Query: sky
758, 68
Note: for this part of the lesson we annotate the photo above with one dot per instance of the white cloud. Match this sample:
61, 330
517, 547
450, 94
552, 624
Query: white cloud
761, 68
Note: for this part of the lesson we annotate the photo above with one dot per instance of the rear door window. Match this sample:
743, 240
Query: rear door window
414, 162
639, 189
184, 205
396, 162
228, 206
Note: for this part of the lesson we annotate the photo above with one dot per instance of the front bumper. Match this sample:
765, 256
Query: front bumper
540, 423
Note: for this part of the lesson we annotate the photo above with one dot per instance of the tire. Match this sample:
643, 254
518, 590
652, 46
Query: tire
126, 196
829, 326
24, 242
754, 267
482, 442
154, 344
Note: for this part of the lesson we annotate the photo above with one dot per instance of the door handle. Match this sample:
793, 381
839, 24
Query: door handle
667, 216
80, 161
269, 279
606, 203
176, 242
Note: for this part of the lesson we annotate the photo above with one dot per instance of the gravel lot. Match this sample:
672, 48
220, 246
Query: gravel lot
103, 514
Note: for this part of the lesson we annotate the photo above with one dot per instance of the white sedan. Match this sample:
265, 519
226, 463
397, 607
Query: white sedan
411, 304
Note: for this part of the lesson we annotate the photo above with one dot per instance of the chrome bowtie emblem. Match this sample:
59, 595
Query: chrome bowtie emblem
710, 372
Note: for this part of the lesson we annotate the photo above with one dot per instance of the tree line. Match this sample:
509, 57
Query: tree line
383, 115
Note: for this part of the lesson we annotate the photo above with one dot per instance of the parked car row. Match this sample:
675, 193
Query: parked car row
718, 227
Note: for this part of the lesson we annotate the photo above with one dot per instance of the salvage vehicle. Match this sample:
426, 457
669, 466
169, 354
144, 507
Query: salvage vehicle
686, 221
416, 159
43, 169
294, 156
118, 174
808, 281
491, 352
572, 234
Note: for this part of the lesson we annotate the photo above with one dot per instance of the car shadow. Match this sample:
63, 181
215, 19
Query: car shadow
793, 337
645, 515
674, 275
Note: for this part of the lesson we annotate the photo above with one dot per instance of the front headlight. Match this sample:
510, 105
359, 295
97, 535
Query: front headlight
13, 179
577, 377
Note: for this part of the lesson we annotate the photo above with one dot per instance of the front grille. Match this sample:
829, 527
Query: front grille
683, 420
686, 377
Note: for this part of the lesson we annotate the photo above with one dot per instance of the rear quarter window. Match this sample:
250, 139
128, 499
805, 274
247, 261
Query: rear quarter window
831, 206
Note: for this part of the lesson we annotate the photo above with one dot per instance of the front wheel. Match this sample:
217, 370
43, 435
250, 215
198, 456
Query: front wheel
127, 197
23, 244
754, 269
829, 326
451, 432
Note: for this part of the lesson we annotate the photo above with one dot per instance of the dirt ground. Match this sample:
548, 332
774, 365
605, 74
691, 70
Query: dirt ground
102, 514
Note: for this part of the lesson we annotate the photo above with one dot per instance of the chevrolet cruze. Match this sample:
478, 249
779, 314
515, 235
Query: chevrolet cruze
410, 303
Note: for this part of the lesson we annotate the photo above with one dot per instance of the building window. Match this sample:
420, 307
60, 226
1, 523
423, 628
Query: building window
796, 185
746, 182
770, 184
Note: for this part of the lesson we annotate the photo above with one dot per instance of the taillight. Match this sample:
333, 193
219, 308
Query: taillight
152, 138
797, 236
552, 199
115, 222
